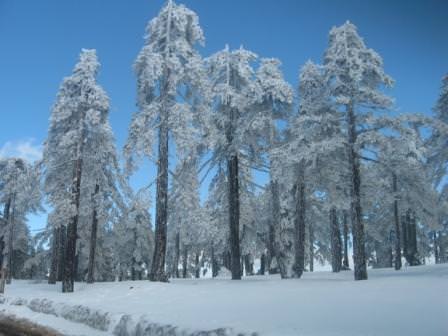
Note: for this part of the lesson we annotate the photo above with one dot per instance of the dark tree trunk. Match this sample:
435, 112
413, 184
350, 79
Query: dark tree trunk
442, 248
76, 274
158, 262
54, 256
61, 252
359, 253
336, 256
197, 266
411, 238
12, 221
397, 262
436, 248
248, 265
72, 232
176, 256
345, 262
226, 259
299, 226
3, 265
311, 246
133, 272
215, 267
383, 255
262, 264
185, 263
93, 234
272, 250
234, 217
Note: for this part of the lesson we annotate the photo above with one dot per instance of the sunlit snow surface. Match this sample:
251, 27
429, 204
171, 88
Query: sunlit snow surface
413, 301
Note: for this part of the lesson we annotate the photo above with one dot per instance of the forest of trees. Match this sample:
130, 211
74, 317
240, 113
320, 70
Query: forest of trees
350, 179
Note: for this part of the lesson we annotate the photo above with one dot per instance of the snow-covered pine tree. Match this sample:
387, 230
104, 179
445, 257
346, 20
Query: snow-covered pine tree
133, 238
171, 90
356, 75
438, 161
20, 195
245, 102
79, 100
185, 229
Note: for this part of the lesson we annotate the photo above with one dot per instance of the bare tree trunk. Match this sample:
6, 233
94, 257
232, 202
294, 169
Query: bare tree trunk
436, 248
54, 256
9, 260
262, 264
176, 256
272, 250
345, 262
336, 257
93, 234
397, 262
61, 252
311, 246
234, 217
359, 253
72, 231
185, 263
412, 253
6, 214
158, 262
248, 265
299, 225
215, 267
197, 271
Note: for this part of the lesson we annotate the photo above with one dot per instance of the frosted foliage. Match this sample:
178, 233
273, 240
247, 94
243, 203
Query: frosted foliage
133, 239
19, 188
186, 217
355, 71
171, 83
80, 106
246, 102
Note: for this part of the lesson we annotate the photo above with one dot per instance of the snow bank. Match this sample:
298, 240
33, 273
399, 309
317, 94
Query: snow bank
81, 314
126, 325
410, 302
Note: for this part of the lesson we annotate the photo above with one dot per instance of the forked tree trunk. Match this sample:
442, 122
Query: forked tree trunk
336, 257
359, 253
72, 232
9, 260
397, 262
93, 239
299, 225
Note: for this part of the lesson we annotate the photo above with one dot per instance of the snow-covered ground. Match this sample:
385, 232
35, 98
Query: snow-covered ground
413, 301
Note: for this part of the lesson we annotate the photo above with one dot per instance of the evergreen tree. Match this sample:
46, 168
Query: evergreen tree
171, 90
79, 102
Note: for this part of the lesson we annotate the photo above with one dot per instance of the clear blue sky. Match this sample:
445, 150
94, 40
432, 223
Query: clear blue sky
40, 41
